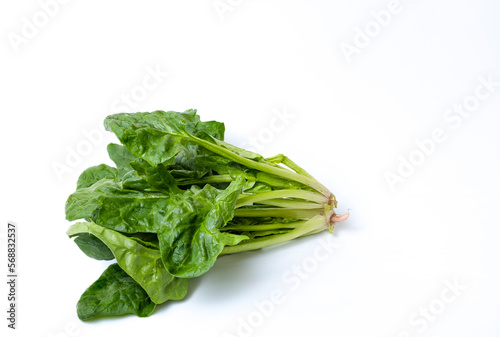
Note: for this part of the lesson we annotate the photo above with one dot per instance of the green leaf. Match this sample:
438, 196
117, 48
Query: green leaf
157, 177
224, 166
149, 240
192, 241
124, 210
95, 173
159, 136
185, 164
93, 247
187, 222
173, 205
212, 128
114, 293
143, 264
122, 157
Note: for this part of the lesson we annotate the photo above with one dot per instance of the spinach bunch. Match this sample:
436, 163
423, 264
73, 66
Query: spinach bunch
178, 198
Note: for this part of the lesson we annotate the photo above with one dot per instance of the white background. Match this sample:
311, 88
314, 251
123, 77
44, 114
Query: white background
353, 119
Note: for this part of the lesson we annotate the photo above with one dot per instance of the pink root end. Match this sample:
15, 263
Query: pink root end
339, 218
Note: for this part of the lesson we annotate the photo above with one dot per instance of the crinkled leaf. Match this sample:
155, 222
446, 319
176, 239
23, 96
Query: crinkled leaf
82, 203
157, 177
224, 166
187, 222
114, 293
133, 181
159, 136
212, 128
185, 164
190, 245
95, 173
124, 210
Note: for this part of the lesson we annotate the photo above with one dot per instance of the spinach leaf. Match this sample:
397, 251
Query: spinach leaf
114, 293
149, 240
187, 222
93, 247
95, 173
143, 264
179, 198
122, 157
124, 210
159, 136
192, 240
157, 177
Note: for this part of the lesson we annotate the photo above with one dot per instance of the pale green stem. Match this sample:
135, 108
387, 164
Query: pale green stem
300, 194
283, 203
277, 212
282, 159
314, 224
266, 227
